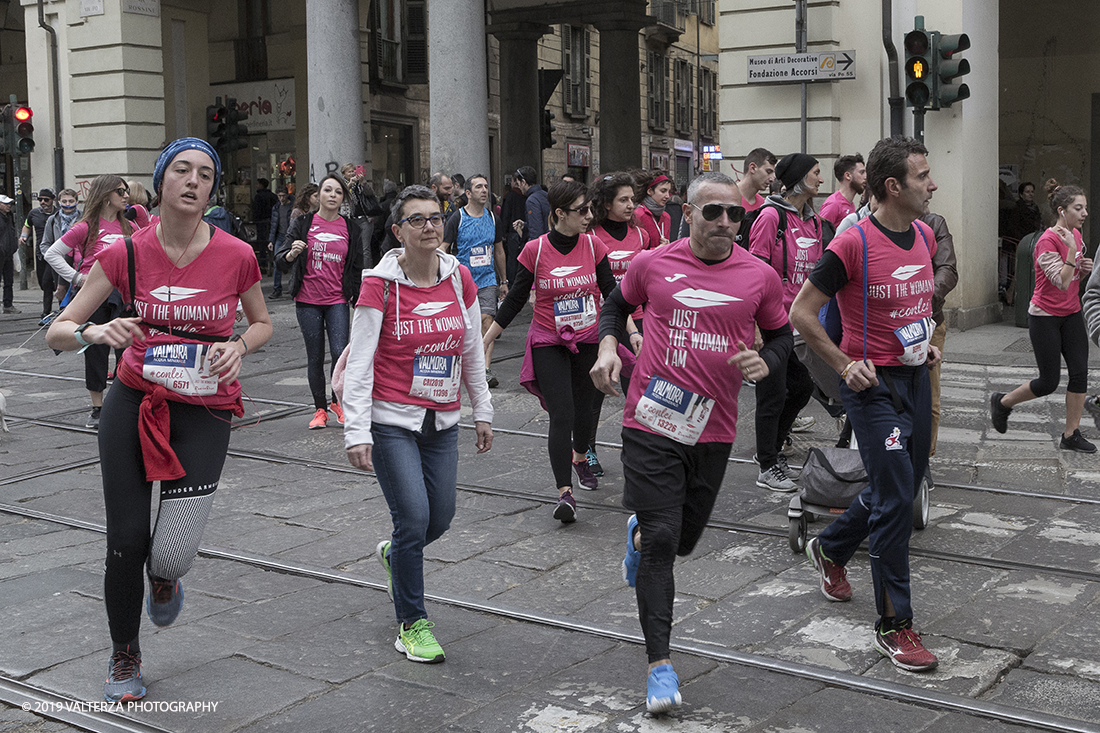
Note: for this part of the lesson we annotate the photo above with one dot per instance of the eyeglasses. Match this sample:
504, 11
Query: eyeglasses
122, 191
586, 208
713, 211
416, 221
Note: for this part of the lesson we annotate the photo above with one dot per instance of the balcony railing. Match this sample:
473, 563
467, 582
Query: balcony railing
671, 13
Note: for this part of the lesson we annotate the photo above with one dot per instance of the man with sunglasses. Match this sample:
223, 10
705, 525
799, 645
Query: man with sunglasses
702, 297
787, 234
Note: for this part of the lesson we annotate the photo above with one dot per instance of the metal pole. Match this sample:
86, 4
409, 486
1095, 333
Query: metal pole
800, 47
918, 123
897, 102
55, 118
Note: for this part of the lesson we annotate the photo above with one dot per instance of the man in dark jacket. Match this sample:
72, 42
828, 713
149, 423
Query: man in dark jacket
9, 245
262, 204
280, 222
538, 205
946, 277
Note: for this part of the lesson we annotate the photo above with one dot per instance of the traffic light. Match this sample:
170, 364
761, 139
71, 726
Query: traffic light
24, 130
215, 124
235, 132
948, 68
918, 66
546, 129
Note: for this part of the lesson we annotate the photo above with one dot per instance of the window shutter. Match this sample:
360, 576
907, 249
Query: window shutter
587, 70
416, 42
567, 67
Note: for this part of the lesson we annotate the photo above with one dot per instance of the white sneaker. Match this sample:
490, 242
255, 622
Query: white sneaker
776, 479
803, 424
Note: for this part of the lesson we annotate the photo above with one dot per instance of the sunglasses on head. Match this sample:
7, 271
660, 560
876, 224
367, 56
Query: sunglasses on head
713, 211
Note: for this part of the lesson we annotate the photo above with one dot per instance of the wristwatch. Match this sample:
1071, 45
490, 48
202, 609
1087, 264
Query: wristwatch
79, 335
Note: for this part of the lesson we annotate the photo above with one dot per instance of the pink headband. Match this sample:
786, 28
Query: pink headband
658, 181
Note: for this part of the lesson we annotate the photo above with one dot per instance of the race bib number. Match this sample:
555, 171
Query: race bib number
673, 411
181, 368
577, 313
914, 338
481, 256
436, 378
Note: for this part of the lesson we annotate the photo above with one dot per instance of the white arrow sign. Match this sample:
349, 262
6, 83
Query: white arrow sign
796, 67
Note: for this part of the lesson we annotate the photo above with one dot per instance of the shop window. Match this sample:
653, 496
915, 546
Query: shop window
576, 43
684, 77
657, 82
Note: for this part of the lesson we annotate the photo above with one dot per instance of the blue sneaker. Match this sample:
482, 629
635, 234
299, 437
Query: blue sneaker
383, 550
124, 681
630, 562
662, 690
165, 600
594, 461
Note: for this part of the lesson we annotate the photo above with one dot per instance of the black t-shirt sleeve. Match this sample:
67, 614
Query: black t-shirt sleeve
517, 296
450, 229
829, 275
604, 277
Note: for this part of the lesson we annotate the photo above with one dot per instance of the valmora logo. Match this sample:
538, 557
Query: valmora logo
430, 309
906, 271
563, 271
695, 298
620, 254
167, 294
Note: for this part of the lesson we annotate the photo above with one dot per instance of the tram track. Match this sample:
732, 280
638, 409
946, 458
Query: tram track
15, 692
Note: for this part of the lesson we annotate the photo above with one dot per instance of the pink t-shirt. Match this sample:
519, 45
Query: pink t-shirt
568, 295
899, 294
657, 229
200, 297
419, 356
695, 316
326, 250
620, 254
753, 205
1047, 295
85, 256
835, 208
802, 239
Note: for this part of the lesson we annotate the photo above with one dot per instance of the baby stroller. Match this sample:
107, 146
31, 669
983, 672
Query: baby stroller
833, 477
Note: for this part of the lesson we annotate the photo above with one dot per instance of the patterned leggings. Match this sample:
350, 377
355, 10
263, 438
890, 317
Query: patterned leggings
200, 438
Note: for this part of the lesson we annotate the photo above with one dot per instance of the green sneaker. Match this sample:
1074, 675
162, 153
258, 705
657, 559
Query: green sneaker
383, 550
418, 643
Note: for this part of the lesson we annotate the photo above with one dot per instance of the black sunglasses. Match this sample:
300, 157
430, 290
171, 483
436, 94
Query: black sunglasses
713, 211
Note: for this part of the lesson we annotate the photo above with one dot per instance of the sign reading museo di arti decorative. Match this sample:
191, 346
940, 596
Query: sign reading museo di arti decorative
269, 104
788, 67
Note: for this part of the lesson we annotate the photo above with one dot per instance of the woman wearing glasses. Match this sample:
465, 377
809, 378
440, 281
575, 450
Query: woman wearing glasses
569, 271
323, 280
415, 337
104, 221
786, 235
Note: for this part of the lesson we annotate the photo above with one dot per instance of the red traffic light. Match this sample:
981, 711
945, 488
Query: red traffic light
23, 113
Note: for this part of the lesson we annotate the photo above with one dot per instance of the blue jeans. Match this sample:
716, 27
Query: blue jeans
277, 280
417, 471
893, 424
315, 321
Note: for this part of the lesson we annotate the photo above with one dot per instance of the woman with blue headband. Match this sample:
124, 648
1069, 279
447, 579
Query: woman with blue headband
167, 417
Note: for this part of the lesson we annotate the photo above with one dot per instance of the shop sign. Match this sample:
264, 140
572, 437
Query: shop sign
142, 7
658, 161
579, 156
712, 152
269, 104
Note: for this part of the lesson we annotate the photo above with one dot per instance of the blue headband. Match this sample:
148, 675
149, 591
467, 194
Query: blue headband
176, 147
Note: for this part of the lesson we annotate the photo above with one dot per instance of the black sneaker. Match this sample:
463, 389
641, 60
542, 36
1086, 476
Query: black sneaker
275, 295
594, 461
998, 413
93, 419
1077, 443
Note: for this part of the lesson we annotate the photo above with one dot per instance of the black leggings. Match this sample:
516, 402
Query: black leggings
96, 356
200, 438
569, 394
1054, 337
780, 396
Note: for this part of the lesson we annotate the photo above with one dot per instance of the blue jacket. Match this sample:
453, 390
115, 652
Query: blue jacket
538, 212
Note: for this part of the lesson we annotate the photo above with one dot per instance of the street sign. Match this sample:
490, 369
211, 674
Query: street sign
799, 67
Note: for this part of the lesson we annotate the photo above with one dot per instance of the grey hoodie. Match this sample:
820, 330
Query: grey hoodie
360, 407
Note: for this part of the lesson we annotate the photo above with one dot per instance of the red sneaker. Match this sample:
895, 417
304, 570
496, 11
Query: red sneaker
904, 648
834, 578
320, 419
335, 407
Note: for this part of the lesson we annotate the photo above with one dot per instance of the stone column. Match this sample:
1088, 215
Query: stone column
620, 96
335, 86
519, 94
459, 89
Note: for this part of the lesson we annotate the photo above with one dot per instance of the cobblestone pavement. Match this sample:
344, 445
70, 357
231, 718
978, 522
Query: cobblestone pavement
286, 625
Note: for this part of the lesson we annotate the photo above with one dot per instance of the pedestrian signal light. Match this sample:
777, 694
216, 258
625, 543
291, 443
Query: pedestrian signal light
918, 70
215, 124
235, 132
546, 130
